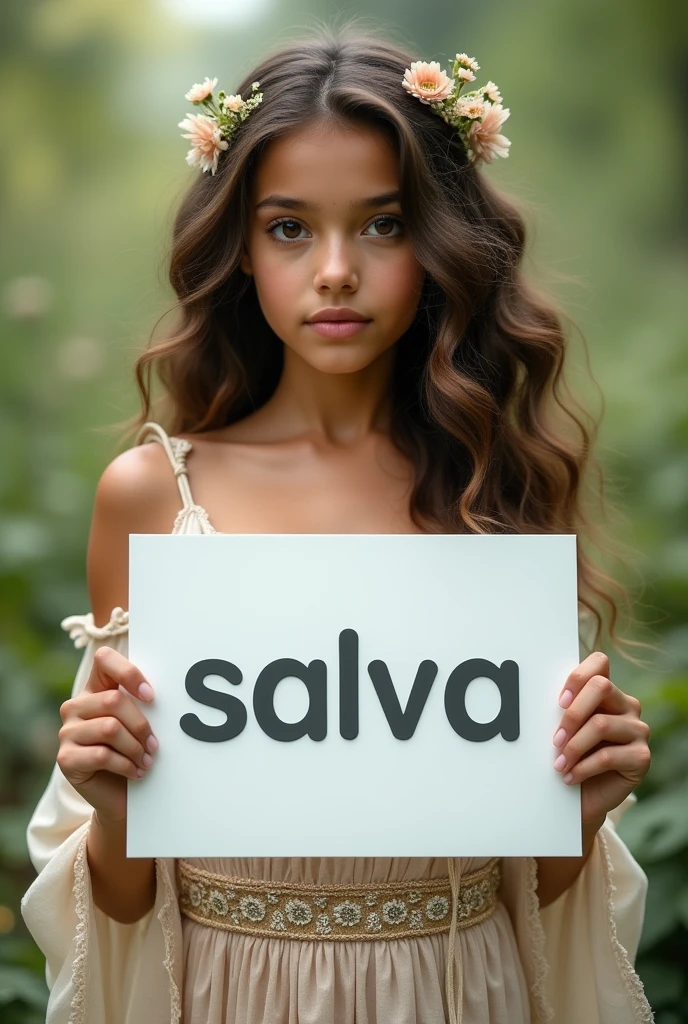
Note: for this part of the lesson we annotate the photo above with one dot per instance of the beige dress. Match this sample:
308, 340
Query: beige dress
571, 963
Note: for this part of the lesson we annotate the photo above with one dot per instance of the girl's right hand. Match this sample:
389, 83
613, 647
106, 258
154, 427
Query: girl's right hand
105, 738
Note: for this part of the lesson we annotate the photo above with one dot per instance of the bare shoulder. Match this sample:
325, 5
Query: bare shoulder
138, 488
136, 493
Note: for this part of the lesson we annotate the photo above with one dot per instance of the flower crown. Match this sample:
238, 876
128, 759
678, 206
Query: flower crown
212, 132
477, 115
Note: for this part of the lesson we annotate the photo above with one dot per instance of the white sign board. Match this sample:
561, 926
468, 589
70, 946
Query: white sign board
369, 695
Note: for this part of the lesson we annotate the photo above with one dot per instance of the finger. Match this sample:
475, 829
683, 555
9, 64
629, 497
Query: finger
112, 669
599, 729
630, 758
634, 705
599, 693
78, 763
111, 704
596, 663
95, 732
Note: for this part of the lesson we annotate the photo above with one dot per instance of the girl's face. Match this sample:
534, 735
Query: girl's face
326, 231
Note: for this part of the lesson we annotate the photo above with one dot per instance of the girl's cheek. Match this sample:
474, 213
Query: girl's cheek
279, 297
278, 284
403, 284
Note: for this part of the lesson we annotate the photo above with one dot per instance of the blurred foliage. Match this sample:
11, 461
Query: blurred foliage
91, 167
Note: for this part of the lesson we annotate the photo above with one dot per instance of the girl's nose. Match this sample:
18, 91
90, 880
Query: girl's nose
335, 266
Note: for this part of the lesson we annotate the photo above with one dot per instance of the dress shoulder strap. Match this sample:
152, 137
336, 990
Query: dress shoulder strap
177, 449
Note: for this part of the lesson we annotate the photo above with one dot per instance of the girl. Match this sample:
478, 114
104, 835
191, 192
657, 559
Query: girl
356, 351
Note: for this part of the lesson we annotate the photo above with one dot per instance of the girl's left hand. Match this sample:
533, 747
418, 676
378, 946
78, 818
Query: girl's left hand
602, 741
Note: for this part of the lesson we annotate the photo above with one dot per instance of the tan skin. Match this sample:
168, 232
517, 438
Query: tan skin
316, 458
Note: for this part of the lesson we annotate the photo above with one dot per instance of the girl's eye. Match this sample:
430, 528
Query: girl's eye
387, 221
291, 228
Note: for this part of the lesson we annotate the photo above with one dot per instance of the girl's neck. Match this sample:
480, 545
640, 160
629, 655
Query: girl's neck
337, 408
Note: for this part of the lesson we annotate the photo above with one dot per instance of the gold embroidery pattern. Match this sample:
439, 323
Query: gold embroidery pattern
390, 910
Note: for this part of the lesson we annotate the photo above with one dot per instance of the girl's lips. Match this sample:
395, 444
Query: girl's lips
338, 328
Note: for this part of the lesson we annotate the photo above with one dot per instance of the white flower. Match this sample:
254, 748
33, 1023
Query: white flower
416, 919
347, 913
414, 896
465, 75
492, 92
470, 106
195, 895
234, 103
277, 921
373, 923
394, 911
255, 85
467, 62
273, 897
298, 911
320, 901
218, 903
371, 899
252, 908
197, 93
437, 908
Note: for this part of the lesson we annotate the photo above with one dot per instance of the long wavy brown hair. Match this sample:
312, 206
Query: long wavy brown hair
499, 443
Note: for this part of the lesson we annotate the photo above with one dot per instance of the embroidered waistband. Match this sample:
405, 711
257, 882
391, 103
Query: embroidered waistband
390, 910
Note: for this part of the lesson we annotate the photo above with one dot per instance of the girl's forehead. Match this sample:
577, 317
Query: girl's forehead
323, 162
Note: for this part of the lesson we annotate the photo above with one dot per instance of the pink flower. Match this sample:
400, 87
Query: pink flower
197, 93
427, 81
483, 136
465, 75
206, 141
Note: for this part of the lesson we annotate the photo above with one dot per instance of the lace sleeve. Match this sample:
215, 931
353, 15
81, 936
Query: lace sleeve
97, 969
82, 628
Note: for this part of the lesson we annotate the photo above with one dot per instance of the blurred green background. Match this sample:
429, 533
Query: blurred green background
92, 166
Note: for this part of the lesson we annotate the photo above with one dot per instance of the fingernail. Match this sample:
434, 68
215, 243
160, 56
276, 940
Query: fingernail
146, 691
140, 772
559, 738
568, 778
560, 762
152, 743
565, 699
147, 760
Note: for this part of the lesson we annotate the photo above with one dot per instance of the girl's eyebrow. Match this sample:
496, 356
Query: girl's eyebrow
300, 204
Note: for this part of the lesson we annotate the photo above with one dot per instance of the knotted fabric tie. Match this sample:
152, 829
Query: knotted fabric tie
454, 999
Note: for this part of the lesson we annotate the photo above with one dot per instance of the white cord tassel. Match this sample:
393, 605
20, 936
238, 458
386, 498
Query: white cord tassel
454, 1000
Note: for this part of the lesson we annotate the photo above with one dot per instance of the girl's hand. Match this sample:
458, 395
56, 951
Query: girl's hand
105, 739
602, 741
